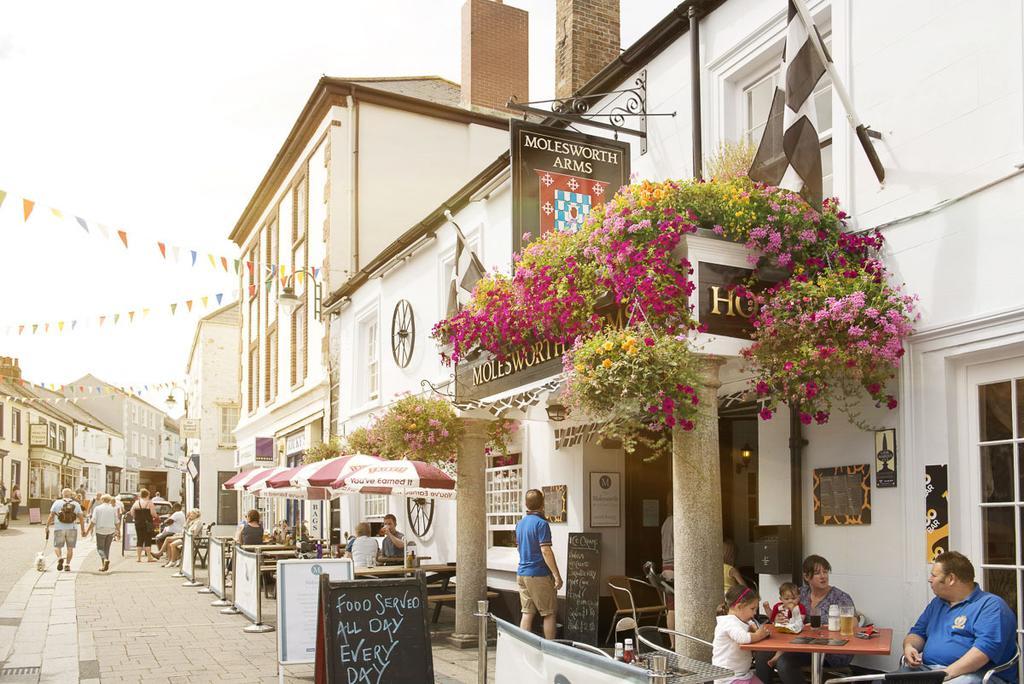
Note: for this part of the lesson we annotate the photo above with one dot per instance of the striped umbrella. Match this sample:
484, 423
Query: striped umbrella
258, 483
237, 482
323, 473
404, 478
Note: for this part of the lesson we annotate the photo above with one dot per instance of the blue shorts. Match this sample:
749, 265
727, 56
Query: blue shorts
63, 538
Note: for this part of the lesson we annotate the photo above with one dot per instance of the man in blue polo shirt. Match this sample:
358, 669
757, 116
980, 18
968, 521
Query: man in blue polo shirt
537, 577
964, 630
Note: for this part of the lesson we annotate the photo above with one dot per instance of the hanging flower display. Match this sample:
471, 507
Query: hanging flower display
639, 385
499, 435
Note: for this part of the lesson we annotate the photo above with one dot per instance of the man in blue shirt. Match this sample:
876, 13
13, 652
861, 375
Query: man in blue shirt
964, 630
537, 577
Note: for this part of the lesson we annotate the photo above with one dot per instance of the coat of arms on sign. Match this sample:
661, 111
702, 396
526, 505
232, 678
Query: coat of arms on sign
566, 200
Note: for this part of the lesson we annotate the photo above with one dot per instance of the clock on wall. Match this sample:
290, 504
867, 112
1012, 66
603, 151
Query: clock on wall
403, 333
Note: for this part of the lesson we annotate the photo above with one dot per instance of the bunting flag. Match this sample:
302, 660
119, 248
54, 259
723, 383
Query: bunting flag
81, 222
56, 212
3, 196
163, 249
99, 320
27, 206
124, 237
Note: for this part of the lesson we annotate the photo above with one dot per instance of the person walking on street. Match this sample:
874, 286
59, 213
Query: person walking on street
15, 501
66, 511
143, 512
537, 577
104, 522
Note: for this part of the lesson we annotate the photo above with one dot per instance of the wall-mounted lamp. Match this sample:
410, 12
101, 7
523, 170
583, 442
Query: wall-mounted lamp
289, 301
746, 455
557, 413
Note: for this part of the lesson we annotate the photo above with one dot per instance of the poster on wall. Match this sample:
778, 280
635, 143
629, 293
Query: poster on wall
558, 176
842, 495
885, 458
556, 503
936, 496
605, 499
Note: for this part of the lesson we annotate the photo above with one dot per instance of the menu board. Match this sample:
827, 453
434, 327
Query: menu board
373, 631
298, 594
216, 560
583, 587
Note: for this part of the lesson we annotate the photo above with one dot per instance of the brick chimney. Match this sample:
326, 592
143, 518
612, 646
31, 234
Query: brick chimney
9, 368
495, 55
586, 41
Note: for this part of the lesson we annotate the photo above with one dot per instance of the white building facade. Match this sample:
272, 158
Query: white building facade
953, 139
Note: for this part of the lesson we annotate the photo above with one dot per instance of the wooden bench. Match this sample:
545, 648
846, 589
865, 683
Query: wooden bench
441, 600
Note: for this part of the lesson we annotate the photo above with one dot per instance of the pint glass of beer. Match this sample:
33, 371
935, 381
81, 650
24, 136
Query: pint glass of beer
847, 620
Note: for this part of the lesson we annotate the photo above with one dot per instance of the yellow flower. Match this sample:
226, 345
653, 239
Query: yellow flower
631, 351
607, 363
411, 426
580, 367
608, 346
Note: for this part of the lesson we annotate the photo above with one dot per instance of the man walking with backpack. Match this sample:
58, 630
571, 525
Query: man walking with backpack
67, 512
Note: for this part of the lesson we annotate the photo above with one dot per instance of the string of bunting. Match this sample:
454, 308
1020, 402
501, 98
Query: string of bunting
167, 250
108, 320
75, 393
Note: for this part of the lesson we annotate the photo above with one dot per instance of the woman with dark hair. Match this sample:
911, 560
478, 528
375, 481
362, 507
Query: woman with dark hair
816, 597
251, 533
143, 512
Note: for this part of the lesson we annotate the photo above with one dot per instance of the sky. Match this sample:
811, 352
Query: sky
160, 121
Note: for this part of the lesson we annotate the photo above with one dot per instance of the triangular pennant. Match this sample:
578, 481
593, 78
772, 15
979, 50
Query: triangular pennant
224, 262
56, 212
174, 307
21, 329
300, 277
212, 262
81, 222
3, 196
315, 272
131, 316
46, 327
117, 317
105, 231
188, 303
163, 249
219, 296
236, 266
252, 290
124, 237
248, 265
206, 302
60, 326
145, 312
193, 256
73, 324
27, 207
102, 318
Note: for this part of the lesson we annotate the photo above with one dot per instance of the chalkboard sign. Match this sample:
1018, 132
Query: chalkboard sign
583, 586
373, 631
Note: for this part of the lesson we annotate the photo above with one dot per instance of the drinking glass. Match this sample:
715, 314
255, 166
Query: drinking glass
815, 621
847, 620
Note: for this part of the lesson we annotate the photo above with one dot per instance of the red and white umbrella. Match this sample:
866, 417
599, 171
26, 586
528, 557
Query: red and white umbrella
258, 483
239, 481
403, 478
323, 473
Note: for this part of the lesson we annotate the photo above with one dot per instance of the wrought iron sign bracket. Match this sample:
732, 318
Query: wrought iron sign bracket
626, 103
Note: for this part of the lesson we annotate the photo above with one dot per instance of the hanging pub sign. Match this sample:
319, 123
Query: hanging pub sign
558, 175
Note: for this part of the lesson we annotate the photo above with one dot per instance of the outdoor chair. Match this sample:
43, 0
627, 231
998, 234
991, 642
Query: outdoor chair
898, 677
662, 585
647, 603
201, 549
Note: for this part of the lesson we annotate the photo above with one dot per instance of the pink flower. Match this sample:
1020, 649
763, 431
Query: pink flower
649, 341
892, 403
765, 413
805, 418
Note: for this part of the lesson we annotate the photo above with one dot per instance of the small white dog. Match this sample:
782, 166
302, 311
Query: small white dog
40, 562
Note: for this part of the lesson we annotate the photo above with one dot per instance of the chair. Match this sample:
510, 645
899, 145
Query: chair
583, 647
898, 677
625, 604
663, 586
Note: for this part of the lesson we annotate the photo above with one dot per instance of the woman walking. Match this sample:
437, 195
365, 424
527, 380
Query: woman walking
143, 511
104, 521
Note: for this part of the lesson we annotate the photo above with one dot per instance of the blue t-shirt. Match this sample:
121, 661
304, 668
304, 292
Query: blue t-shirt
532, 532
56, 508
982, 620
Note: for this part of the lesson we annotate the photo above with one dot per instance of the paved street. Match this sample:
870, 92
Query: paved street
138, 624
19, 544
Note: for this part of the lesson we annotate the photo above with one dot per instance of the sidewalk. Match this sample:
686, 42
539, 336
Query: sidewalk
138, 624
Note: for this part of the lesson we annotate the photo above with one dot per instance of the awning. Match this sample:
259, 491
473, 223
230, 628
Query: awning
241, 478
258, 482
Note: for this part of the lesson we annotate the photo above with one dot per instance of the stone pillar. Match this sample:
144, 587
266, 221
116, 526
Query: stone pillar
471, 532
697, 517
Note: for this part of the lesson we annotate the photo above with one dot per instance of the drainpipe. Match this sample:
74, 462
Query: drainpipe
353, 188
796, 511
698, 151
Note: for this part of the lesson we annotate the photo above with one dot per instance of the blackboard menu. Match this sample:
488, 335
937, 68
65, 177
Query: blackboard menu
373, 631
583, 586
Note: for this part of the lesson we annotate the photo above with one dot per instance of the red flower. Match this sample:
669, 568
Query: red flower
892, 403
765, 413
805, 418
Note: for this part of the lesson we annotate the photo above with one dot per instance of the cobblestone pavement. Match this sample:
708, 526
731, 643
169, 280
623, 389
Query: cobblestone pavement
19, 544
136, 623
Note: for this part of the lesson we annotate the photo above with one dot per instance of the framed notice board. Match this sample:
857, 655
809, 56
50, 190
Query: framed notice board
373, 631
842, 495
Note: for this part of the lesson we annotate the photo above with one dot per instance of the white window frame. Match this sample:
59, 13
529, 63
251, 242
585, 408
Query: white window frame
226, 438
374, 506
369, 368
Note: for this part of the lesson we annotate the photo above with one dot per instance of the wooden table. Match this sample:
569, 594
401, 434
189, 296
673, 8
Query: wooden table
399, 570
778, 641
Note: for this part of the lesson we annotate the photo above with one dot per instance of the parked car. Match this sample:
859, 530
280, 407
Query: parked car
5, 515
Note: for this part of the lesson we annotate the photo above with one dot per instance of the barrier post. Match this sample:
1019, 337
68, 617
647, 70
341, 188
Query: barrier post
482, 614
258, 627
230, 609
192, 560
181, 568
221, 602
206, 589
